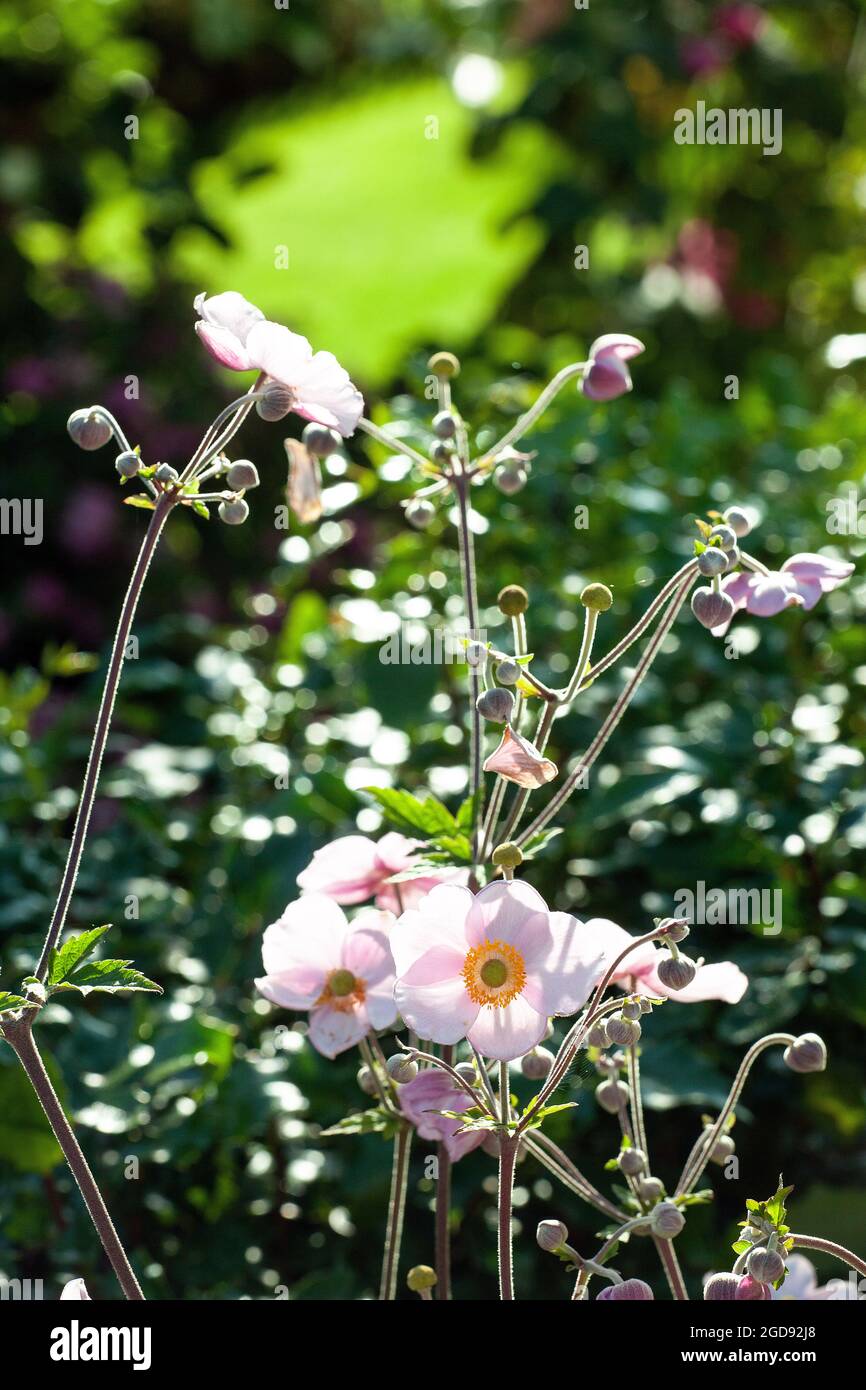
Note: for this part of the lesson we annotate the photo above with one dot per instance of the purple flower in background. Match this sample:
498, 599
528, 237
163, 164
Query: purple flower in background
798, 584
607, 376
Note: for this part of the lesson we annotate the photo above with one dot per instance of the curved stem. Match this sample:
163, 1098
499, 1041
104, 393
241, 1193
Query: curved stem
529, 417
470, 601
671, 1267
20, 1038
397, 446
830, 1247
560, 1165
100, 732
396, 1211
612, 657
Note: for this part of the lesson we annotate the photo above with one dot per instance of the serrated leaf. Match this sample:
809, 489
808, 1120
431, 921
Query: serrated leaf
65, 958
375, 1121
10, 1002
108, 977
408, 812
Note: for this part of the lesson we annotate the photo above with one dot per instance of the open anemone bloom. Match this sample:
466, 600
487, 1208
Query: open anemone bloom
801, 1284
75, 1289
607, 375
491, 967
341, 971
354, 869
422, 1101
239, 336
798, 584
638, 973
518, 760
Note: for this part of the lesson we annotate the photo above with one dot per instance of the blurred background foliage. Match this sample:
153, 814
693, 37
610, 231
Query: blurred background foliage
390, 178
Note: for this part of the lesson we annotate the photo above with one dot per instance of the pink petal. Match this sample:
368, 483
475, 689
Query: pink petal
366, 951
423, 1099
229, 311
771, 593
574, 965
224, 346
513, 913
738, 587
723, 980
75, 1289
379, 1004
438, 964
519, 761
509, 1032
615, 345
334, 1030
325, 393
608, 940
439, 920
399, 897
348, 869
828, 572
279, 352
441, 1012
604, 381
394, 852
302, 946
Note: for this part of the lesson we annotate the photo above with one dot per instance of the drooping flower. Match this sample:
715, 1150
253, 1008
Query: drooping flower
239, 336
799, 583
75, 1289
491, 967
353, 869
801, 1283
518, 760
607, 375
721, 980
341, 971
628, 1290
422, 1101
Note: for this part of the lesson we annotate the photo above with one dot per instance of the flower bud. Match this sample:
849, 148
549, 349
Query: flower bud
739, 521
612, 1096
597, 1035
276, 402
497, 705
750, 1290
551, 1236
420, 512
508, 855
536, 1064
765, 1266
444, 425
666, 1220
444, 365
632, 1162
676, 973
712, 562
476, 653
442, 450
646, 1005
420, 1278
725, 535
508, 672
631, 1009
806, 1053
367, 1081
233, 513
510, 478
628, 1290
241, 475
722, 1150
88, 428
596, 597
734, 558
467, 1071
166, 474
711, 608
401, 1068
625, 1032
674, 929
320, 440
512, 600
127, 464
721, 1288
649, 1189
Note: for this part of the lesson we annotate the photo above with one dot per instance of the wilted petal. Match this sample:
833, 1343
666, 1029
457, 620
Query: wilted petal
304, 486
517, 760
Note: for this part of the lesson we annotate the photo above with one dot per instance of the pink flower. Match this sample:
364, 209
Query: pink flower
798, 584
75, 1289
239, 336
341, 971
607, 376
518, 760
723, 980
629, 1289
801, 1283
353, 869
491, 967
423, 1099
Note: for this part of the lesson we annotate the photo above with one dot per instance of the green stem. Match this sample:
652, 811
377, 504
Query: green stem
443, 1209
396, 1211
460, 487
829, 1247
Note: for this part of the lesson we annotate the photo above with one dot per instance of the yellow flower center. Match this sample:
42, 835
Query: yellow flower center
342, 991
494, 973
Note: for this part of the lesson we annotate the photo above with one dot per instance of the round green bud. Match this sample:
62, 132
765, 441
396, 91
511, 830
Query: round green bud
508, 672
127, 464
444, 365
166, 474
420, 1278
597, 597
401, 1068
420, 512
512, 600
496, 705
507, 856
233, 513
241, 475
550, 1236
510, 479
445, 425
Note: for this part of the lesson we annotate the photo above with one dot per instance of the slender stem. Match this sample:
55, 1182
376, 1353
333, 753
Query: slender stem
700, 1154
529, 417
396, 1211
397, 446
616, 713
590, 622
518, 629
443, 1209
507, 1157
637, 1115
830, 1247
20, 1038
612, 657
213, 442
103, 723
470, 601
671, 1266
557, 1162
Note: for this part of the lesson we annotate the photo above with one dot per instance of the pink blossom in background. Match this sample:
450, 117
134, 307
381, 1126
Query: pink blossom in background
723, 980
799, 583
741, 24
519, 761
353, 869
239, 336
801, 1284
701, 57
607, 376
422, 1100
341, 971
491, 967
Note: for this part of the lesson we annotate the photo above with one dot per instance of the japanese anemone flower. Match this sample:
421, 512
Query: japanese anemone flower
353, 869
341, 971
799, 583
239, 336
721, 980
607, 375
423, 1100
491, 967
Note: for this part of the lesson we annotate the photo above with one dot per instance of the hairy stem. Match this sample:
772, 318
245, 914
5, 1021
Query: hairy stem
19, 1035
671, 1267
460, 488
830, 1247
396, 1210
443, 1208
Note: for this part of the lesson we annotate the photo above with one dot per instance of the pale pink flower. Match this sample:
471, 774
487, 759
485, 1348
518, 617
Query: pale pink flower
422, 1102
607, 375
801, 1284
341, 971
628, 1290
75, 1289
490, 967
798, 584
353, 869
239, 336
518, 760
723, 980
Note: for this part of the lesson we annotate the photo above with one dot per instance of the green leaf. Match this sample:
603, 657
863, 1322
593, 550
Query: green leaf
375, 1121
10, 1002
539, 842
108, 977
407, 812
65, 958
139, 500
